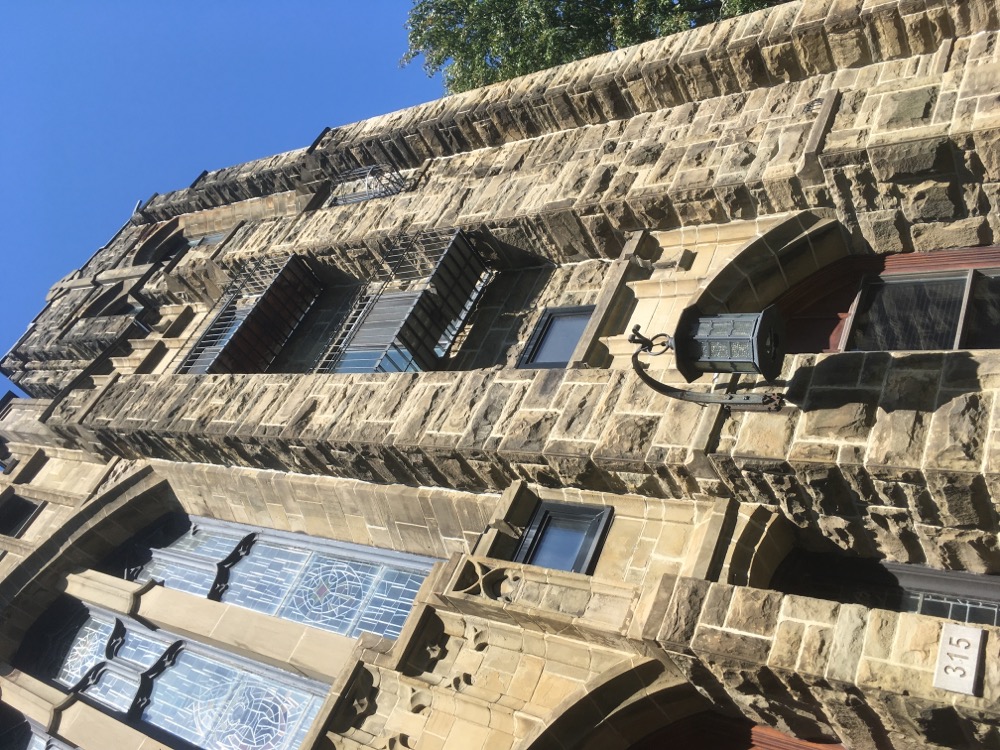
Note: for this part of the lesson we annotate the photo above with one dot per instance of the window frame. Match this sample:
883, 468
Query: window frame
541, 330
598, 519
820, 310
966, 275
17, 531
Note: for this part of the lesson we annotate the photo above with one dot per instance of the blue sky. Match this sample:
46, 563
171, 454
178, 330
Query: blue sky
104, 103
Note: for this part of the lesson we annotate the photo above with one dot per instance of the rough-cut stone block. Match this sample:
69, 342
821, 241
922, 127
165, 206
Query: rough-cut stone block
734, 645
754, 611
943, 235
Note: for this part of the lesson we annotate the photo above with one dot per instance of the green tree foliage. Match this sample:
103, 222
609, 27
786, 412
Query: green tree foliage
477, 42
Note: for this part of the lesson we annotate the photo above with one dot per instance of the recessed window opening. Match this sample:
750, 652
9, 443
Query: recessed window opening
555, 337
168, 687
565, 537
364, 183
334, 586
956, 595
202, 240
16, 515
906, 302
409, 316
927, 312
256, 315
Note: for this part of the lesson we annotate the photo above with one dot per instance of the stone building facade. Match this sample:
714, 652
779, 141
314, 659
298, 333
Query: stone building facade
344, 448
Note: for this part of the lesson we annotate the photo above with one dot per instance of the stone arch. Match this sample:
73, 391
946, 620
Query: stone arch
762, 539
619, 707
773, 262
83, 540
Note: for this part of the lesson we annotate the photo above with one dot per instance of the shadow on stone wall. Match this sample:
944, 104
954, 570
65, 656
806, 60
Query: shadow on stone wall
499, 321
922, 381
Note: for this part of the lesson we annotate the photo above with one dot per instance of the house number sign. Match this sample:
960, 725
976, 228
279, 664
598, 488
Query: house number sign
960, 658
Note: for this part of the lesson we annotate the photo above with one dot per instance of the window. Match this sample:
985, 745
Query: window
904, 302
564, 537
168, 687
555, 337
949, 311
951, 594
335, 586
407, 318
257, 313
16, 514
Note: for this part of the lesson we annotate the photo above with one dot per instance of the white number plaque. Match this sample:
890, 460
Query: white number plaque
960, 657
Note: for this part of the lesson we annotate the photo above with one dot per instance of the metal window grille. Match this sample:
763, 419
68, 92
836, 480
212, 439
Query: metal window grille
257, 314
408, 317
365, 183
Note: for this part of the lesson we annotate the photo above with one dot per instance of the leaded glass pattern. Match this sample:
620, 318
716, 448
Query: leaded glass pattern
176, 575
390, 604
196, 693
114, 689
217, 707
208, 543
140, 649
290, 577
952, 607
331, 593
87, 650
261, 580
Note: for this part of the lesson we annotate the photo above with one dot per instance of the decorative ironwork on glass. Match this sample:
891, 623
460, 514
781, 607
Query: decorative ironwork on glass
190, 691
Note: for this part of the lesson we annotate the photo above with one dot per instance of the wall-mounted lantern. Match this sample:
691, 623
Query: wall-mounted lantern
725, 342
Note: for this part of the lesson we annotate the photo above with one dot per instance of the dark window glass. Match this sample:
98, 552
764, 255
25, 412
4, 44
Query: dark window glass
564, 537
559, 543
15, 514
344, 589
556, 336
908, 314
982, 328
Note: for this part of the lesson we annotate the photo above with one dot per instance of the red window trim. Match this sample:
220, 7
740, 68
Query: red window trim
843, 279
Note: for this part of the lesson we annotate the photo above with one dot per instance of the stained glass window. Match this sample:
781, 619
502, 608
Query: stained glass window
216, 706
338, 587
390, 603
331, 593
261, 580
115, 689
86, 650
213, 700
177, 574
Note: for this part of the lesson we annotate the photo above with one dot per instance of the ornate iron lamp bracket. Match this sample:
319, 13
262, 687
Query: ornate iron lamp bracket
661, 343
